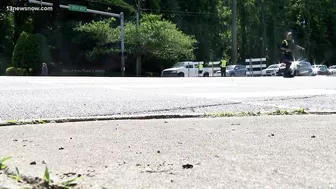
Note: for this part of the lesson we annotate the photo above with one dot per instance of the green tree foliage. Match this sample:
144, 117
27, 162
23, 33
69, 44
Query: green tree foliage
93, 37
6, 39
313, 23
207, 20
159, 38
117, 3
309, 20
44, 48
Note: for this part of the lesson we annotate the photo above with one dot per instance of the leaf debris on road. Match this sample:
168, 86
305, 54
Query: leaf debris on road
187, 166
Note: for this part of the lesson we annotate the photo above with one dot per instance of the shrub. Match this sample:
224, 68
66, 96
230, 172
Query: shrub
27, 51
21, 71
20, 50
24, 72
11, 71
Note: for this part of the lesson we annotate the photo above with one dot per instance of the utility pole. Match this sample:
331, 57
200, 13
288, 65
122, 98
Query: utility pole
122, 27
138, 56
275, 15
264, 38
262, 28
308, 34
234, 31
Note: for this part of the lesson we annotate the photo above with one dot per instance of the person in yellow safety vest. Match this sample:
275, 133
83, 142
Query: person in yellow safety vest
223, 68
287, 47
200, 68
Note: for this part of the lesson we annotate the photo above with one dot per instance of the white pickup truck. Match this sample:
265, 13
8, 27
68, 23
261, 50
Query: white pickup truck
191, 69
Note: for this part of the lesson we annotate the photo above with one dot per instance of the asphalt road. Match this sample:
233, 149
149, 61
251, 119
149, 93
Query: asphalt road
250, 152
59, 97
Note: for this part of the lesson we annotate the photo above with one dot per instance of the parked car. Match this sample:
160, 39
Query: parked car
332, 70
233, 71
236, 70
272, 70
320, 70
303, 68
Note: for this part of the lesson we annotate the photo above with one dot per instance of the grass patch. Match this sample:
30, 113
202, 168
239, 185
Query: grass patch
16, 176
3, 161
33, 122
234, 114
45, 183
12, 121
300, 111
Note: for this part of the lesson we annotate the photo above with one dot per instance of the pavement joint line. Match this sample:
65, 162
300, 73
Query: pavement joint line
100, 118
188, 107
155, 116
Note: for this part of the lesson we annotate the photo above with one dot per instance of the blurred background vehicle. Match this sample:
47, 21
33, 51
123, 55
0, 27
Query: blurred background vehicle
233, 71
272, 70
236, 71
320, 70
191, 69
332, 70
303, 68
300, 68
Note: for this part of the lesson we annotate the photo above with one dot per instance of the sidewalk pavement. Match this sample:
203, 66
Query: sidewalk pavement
237, 152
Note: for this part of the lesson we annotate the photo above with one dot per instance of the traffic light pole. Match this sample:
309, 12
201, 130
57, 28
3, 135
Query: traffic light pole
234, 32
122, 26
138, 58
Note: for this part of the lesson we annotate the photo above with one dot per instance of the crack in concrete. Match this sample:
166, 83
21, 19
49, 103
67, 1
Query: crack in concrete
173, 109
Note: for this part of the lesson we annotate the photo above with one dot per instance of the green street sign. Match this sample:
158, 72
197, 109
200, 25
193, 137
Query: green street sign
77, 8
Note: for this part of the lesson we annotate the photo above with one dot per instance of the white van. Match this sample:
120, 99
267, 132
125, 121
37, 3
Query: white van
191, 69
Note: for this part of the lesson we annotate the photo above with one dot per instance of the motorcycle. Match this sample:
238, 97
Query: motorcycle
287, 68
290, 69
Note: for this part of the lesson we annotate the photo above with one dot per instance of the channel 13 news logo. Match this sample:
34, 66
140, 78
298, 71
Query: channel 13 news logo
23, 5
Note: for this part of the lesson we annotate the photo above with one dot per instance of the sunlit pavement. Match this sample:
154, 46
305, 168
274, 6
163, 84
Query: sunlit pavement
56, 97
240, 152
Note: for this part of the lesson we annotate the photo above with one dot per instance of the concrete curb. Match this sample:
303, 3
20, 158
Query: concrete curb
322, 113
100, 118
149, 117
